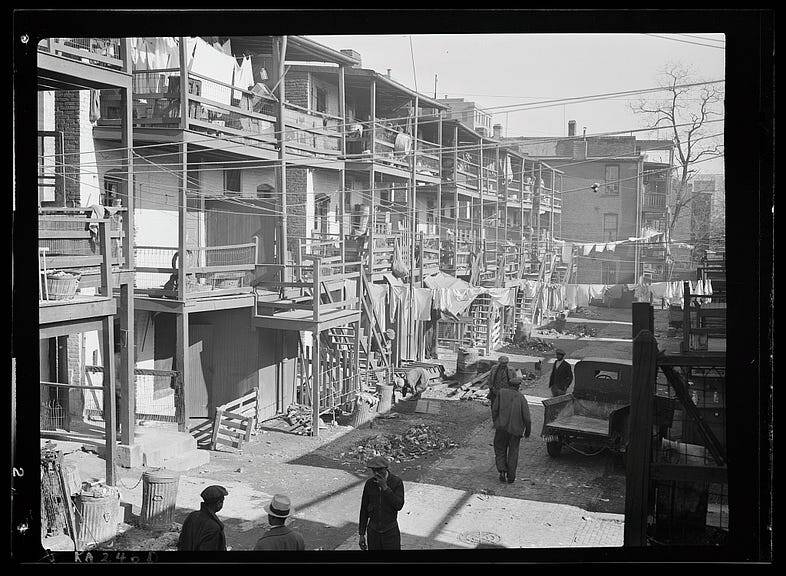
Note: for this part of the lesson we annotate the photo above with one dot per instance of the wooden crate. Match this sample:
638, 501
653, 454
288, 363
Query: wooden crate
235, 421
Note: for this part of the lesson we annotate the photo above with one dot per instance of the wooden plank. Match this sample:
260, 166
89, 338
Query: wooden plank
645, 349
233, 444
689, 473
76, 310
44, 234
230, 424
110, 415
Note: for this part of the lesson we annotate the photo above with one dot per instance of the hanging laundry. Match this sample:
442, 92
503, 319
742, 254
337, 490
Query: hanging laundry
378, 294
422, 304
659, 289
586, 249
570, 297
95, 105
596, 291
502, 296
215, 65
567, 251
243, 77
611, 246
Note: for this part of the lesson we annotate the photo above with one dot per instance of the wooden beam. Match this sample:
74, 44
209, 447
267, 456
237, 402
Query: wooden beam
316, 383
645, 351
181, 356
342, 111
643, 318
182, 199
110, 416
279, 57
439, 191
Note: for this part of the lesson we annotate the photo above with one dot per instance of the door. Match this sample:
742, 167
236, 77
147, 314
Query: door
200, 362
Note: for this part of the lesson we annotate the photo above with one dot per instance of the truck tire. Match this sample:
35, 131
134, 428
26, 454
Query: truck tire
554, 447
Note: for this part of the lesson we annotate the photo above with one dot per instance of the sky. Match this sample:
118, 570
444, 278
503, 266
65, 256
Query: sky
503, 69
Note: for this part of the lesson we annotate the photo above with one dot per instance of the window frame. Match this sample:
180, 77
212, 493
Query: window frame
227, 189
611, 189
606, 229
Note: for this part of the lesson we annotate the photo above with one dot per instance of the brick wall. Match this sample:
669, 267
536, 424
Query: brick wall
297, 197
297, 87
76, 362
601, 146
67, 121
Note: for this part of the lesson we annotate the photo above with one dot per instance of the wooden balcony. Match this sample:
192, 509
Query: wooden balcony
79, 63
308, 300
312, 133
654, 202
394, 152
79, 264
228, 114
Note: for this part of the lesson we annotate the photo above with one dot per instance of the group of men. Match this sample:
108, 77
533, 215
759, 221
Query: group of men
383, 498
510, 411
383, 492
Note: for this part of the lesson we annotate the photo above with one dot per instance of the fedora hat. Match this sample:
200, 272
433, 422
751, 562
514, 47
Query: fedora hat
279, 506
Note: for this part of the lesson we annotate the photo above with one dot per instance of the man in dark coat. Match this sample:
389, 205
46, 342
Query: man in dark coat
561, 375
202, 530
383, 497
279, 537
511, 421
499, 377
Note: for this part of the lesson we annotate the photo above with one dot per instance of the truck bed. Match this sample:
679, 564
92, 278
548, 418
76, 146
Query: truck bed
582, 424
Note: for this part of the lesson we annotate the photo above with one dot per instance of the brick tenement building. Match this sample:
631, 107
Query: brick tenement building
630, 196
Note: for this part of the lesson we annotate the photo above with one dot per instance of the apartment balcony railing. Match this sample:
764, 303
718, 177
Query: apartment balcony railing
312, 132
393, 147
214, 108
654, 201
429, 253
210, 270
79, 257
99, 52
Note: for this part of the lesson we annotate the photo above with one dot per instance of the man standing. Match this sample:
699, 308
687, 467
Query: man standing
511, 420
279, 537
202, 530
561, 375
383, 497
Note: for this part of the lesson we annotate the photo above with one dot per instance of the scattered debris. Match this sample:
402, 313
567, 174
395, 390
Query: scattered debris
299, 417
582, 330
536, 345
417, 441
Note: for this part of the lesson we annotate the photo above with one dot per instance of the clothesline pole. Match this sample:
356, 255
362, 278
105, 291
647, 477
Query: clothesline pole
371, 177
456, 211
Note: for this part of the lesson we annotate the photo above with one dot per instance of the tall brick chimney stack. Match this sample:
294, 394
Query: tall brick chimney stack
571, 127
353, 54
497, 131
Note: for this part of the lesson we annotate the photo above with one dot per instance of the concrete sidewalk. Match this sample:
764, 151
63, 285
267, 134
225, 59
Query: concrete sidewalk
436, 517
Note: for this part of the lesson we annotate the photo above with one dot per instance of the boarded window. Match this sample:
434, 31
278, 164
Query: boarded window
321, 100
612, 179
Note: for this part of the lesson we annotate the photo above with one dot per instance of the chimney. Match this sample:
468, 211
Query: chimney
388, 73
497, 131
571, 127
579, 149
353, 54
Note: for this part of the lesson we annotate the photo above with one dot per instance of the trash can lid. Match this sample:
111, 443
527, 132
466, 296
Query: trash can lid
161, 475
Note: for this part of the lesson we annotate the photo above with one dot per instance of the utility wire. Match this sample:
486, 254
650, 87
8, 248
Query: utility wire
687, 42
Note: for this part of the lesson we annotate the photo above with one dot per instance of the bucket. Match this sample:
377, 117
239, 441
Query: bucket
467, 361
159, 493
97, 516
385, 398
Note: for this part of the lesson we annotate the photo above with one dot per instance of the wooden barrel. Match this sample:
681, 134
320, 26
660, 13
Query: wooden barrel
467, 361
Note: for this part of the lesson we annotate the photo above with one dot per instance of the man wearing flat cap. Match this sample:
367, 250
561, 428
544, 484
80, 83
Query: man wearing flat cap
561, 375
499, 377
280, 537
202, 530
510, 412
383, 497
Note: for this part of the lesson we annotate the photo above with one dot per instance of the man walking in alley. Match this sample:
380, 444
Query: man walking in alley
279, 537
511, 420
383, 497
561, 375
202, 530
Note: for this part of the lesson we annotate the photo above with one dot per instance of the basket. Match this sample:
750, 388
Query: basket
61, 287
227, 280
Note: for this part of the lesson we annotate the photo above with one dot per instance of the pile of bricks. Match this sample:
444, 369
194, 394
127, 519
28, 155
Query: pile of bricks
417, 441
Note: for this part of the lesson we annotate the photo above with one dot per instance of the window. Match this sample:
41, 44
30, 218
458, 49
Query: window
612, 179
231, 181
610, 227
111, 189
321, 105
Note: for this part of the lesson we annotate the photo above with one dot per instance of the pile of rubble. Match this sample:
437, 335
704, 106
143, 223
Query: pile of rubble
299, 417
536, 345
417, 441
582, 330
585, 313
141, 540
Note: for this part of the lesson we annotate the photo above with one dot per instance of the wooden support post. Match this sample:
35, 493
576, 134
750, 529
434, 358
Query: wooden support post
551, 215
439, 192
110, 415
356, 347
316, 380
279, 57
342, 111
536, 209
181, 362
182, 198
496, 207
455, 199
481, 186
686, 320
522, 242
126, 312
645, 366
371, 177
643, 318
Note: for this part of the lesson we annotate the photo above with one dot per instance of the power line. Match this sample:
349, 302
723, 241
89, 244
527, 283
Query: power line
687, 42
704, 38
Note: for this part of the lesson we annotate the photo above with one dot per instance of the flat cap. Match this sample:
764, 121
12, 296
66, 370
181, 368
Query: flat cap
559, 351
377, 462
212, 493
503, 359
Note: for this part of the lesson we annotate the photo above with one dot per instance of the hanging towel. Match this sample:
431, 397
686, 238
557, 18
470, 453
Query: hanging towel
571, 293
611, 246
378, 294
95, 105
502, 296
422, 304
659, 289
582, 295
586, 249
213, 64
244, 77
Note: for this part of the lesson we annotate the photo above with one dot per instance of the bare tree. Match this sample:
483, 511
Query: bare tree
687, 112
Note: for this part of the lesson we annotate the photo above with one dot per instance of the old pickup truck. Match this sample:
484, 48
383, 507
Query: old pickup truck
596, 412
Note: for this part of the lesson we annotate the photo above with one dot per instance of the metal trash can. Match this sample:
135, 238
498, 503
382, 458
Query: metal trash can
159, 494
97, 515
385, 398
466, 364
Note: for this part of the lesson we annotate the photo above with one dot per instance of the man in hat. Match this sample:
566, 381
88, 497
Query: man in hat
383, 497
561, 375
511, 421
279, 537
499, 377
202, 530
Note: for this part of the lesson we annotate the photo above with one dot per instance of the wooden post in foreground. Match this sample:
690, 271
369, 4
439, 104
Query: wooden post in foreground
645, 352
